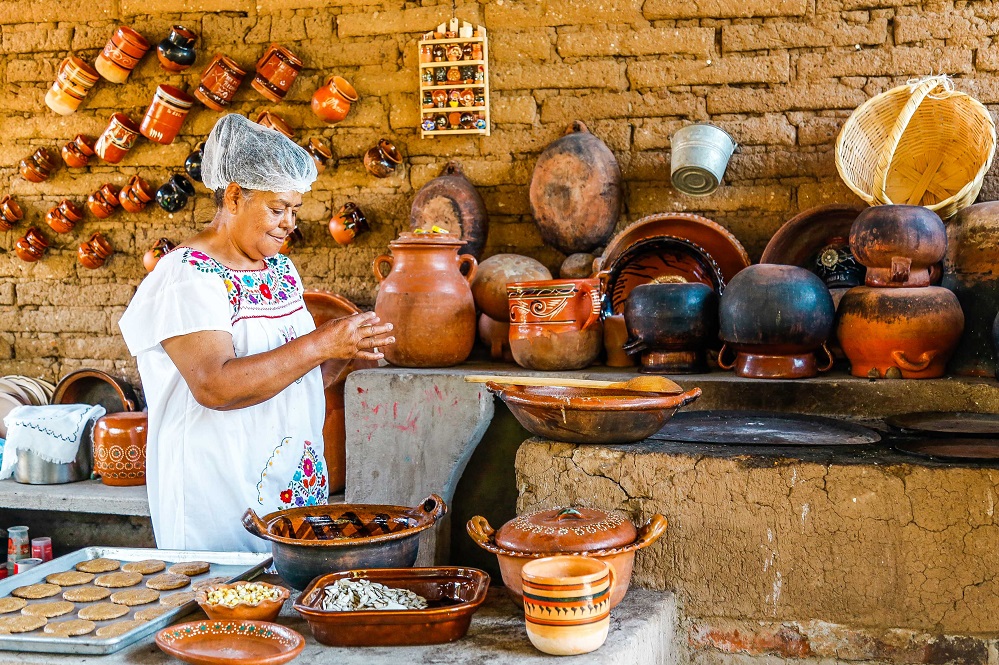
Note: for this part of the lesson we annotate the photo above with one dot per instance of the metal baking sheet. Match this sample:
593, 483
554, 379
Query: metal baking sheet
943, 423
763, 428
233, 566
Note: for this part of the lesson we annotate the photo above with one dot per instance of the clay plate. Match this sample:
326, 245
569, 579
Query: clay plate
802, 236
946, 423
231, 642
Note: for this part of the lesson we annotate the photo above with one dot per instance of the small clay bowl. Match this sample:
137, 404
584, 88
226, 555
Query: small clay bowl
265, 610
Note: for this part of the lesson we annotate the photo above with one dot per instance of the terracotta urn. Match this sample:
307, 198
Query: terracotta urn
427, 299
155, 253
77, 153
73, 81
176, 51
911, 332
117, 138
451, 201
898, 244
381, 160
277, 70
31, 247
166, 114
775, 318
121, 54
332, 100
671, 326
93, 253
219, 82
555, 324
496, 336
120, 448
10, 213
348, 223
493, 276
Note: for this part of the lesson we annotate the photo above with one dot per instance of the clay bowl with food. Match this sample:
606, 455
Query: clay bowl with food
608, 536
591, 415
242, 601
317, 540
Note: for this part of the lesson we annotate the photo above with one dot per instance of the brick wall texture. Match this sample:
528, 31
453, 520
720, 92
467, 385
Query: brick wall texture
780, 75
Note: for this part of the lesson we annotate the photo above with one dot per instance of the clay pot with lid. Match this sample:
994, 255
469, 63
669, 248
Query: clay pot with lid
219, 82
348, 223
381, 160
498, 271
176, 51
775, 318
671, 325
450, 201
166, 114
94, 252
898, 244
332, 100
277, 69
120, 448
31, 247
608, 536
155, 253
121, 54
427, 299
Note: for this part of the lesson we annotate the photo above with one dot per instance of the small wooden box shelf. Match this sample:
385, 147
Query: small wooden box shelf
444, 107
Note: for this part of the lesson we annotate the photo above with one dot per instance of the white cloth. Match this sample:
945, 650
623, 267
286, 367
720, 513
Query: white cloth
204, 468
53, 432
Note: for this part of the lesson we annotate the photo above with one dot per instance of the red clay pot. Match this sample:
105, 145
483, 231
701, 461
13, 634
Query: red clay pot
555, 324
275, 122
10, 213
382, 159
332, 100
219, 82
104, 201
117, 138
77, 153
120, 448
277, 70
94, 252
136, 194
155, 253
348, 223
32, 246
121, 54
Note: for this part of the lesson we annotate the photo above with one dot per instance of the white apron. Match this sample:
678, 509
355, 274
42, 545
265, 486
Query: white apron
204, 468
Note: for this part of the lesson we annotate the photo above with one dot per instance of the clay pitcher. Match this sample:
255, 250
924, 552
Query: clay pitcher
427, 299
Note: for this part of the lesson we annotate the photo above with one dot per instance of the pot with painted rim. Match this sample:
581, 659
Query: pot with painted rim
166, 114
94, 252
73, 81
555, 324
77, 153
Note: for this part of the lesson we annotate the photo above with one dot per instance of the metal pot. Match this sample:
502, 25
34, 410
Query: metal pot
699, 158
33, 470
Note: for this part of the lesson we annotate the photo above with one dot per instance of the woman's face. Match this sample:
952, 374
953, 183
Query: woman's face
261, 220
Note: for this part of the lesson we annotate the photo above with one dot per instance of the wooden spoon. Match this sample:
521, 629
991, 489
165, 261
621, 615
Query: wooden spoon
647, 383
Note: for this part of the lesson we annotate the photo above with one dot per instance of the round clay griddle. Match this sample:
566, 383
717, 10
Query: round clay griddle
948, 422
961, 449
763, 428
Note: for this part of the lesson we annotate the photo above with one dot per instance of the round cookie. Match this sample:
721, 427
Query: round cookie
211, 581
102, 611
70, 578
118, 580
118, 628
151, 613
134, 597
190, 568
86, 594
70, 628
55, 608
168, 581
177, 599
146, 567
36, 591
101, 565
8, 604
21, 623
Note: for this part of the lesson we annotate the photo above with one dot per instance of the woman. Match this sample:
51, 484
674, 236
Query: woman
230, 357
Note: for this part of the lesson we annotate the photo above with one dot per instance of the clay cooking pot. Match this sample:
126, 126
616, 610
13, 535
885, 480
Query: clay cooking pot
671, 325
120, 448
898, 244
555, 324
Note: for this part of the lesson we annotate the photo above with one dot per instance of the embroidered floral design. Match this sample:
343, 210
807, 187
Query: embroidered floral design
308, 485
270, 292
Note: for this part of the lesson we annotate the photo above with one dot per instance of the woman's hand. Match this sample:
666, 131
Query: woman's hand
356, 336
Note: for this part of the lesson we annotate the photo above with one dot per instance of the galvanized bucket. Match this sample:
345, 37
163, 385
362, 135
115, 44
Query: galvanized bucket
700, 155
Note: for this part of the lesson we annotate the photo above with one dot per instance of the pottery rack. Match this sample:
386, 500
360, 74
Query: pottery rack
479, 36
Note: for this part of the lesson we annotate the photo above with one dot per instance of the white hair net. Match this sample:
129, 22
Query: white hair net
254, 157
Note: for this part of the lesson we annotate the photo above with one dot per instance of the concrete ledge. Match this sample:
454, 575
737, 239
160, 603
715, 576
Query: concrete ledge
88, 496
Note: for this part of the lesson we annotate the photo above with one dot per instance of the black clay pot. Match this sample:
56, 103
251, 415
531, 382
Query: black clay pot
670, 325
995, 342
899, 244
192, 165
176, 51
775, 318
183, 184
172, 195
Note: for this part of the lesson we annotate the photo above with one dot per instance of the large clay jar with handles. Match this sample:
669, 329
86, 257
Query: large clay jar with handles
428, 300
555, 323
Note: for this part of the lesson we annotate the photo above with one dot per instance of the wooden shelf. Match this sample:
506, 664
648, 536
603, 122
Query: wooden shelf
442, 132
456, 63
481, 87
451, 109
453, 86
454, 40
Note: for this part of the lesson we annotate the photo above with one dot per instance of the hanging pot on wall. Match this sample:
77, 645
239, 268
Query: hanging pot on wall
176, 51
450, 201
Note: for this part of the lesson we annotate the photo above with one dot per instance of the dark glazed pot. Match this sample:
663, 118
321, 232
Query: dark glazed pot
898, 244
995, 342
382, 159
671, 325
174, 193
452, 202
775, 318
176, 51
192, 165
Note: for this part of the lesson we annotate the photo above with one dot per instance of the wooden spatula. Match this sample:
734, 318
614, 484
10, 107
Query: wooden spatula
651, 384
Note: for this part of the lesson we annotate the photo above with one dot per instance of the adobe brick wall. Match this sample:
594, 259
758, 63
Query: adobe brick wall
780, 75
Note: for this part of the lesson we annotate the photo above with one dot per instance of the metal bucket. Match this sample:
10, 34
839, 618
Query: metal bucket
33, 470
699, 157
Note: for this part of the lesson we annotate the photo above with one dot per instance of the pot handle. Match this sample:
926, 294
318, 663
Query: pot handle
613, 579
480, 531
453, 167
913, 366
377, 265
129, 404
829, 355
650, 533
473, 266
253, 524
595, 305
576, 127
901, 266
688, 397
432, 507
721, 363
634, 346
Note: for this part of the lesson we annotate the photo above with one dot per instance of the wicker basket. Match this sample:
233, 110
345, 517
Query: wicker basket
922, 144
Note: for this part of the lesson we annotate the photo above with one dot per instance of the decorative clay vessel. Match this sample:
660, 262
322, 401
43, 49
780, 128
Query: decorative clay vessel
120, 448
275, 122
94, 252
320, 152
219, 82
348, 223
567, 603
332, 100
555, 324
176, 51
117, 138
73, 81
898, 244
37, 167
77, 153
498, 271
155, 253
10, 213
173, 194
277, 69
136, 194
192, 165
166, 114
450, 201
382, 159
103, 202
31, 247
671, 325
121, 54
64, 217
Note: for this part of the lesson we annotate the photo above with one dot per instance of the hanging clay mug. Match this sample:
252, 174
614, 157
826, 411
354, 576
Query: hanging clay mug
348, 223
332, 100
77, 153
32, 246
296, 237
94, 252
64, 217
320, 152
277, 69
155, 253
382, 159
165, 114
117, 138
219, 82
275, 122
104, 201
10, 213
73, 81
555, 323
176, 51
121, 54
136, 194
38, 166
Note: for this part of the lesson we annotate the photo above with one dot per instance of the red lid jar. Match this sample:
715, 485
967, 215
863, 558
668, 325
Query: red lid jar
121, 54
117, 138
165, 114
277, 69
219, 82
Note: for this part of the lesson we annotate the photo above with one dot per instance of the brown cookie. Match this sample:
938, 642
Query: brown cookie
98, 566
177, 599
190, 568
70, 578
70, 628
168, 581
150, 613
118, 628
211, 581
36, 591
147, 567
8, 604
102, 611
55, 608
86, 594
134, 597
118, 580
21, 623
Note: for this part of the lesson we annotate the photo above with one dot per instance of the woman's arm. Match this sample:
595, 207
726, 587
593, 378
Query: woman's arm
221, 381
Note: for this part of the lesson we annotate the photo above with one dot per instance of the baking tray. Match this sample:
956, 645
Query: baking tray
233, 566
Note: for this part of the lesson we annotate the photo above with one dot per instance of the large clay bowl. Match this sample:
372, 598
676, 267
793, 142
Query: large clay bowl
591, 415
800, 240
92, 386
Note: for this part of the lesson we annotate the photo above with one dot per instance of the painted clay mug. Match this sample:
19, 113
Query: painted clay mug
136, 194
348, 223
121, 54
94, 252
32, 246
275, 122
73, 81
567, 603
320, 153
555, 324
277, 70
219, 82
166, 114
120, 448
38, 166
155, 253
332, 100
117, 138
64, 217
381, 160
10, 213
77, 153
103, 202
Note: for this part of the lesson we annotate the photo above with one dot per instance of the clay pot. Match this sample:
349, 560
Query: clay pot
31, 247
898, 244
10, 213
576, 191
277, 69
94, 252
37, 167
173, 194
192, 165
136, 194
450, 201
77, 153
320, 152
348, 223
493, 276
166, 114
555, 324
275, 122
120, 448
117, 138
64, 217
995, 342
775, 318
104, 201
558, 622
911, 331
496, 336
382, 159
219, 82
176, 51
155, 253
671, 325
73, 81
428, 300
615, 337
332, 100
121, 54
